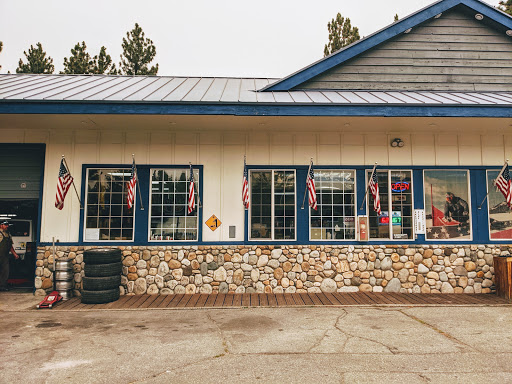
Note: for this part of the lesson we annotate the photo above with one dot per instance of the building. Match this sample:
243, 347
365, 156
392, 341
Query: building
428, 98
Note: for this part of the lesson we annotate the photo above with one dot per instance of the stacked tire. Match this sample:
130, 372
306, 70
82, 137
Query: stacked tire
102, 278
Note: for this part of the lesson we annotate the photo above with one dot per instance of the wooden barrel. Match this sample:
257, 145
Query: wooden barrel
503, 276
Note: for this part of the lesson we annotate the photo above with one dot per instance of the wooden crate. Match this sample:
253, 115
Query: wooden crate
503, 276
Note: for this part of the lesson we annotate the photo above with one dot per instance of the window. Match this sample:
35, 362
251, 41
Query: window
500, 216
170, 219
272, 205
107, 216
335, 217
395, 192
447, 204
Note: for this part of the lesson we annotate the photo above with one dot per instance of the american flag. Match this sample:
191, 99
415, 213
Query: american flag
504, 184
245, 188
63, 183
310, 183
374, 188
191, 194
131, 186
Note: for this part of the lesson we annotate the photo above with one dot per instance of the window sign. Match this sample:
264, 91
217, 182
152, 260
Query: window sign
335, 217
500, 215
395, 190
447, 205
419, 221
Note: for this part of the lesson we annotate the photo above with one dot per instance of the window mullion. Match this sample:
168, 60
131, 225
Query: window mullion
390, 206
272, 202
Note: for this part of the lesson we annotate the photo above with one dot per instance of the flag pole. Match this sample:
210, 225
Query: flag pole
197, 190
137, 181
494, 183
306, 190
73, 182
368, 186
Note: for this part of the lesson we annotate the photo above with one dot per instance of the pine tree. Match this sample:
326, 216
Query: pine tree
80, 62
506, 6
138, 52
37, 61
341, 34
103, 63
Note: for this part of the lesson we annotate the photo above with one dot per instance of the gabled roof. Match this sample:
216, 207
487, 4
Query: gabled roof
491, 15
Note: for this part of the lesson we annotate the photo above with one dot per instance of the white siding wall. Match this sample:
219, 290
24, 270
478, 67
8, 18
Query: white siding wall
221, 154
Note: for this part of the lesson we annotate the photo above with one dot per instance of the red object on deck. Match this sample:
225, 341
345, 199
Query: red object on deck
50, 300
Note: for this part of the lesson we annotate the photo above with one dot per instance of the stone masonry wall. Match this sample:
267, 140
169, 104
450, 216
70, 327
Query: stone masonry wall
278, 269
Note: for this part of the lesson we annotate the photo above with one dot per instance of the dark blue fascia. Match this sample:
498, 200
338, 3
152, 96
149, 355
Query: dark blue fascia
255, 109
383, 35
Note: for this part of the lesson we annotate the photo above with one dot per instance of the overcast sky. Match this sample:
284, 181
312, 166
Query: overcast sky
264, 38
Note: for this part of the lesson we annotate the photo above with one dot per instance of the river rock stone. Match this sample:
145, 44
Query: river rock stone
220, 274
328, 285
140, 286
386, 264
394, 285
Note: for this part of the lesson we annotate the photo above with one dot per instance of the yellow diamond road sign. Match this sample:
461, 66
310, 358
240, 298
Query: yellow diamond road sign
213, 223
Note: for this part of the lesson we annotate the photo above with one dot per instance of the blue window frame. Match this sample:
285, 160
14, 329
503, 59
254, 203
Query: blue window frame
142, 206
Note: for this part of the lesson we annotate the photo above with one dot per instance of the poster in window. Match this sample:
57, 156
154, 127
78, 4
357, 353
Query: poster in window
447, 205
500, 215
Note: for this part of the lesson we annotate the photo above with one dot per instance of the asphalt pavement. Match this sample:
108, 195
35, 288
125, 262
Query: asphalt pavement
262, 345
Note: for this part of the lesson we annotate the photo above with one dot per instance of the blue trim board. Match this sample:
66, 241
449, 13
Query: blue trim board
383, 35
254, 109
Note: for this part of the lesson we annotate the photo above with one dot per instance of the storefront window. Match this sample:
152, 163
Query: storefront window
107, 216
170, 219
272, 205
500, 215
447, 205
335, 217
396, 219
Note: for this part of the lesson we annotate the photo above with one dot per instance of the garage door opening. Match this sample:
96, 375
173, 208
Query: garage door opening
23, 218
21, 173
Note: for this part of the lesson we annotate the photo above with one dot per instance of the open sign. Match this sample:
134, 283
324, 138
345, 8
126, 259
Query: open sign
400, 187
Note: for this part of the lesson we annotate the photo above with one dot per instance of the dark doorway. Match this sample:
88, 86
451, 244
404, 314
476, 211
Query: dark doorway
21, 175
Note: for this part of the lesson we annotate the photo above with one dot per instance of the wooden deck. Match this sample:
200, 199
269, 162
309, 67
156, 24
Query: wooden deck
231, 300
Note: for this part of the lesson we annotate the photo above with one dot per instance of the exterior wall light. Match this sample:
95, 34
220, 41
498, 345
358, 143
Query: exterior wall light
509, 32
479, 16
397, 143
408, 30
438, 16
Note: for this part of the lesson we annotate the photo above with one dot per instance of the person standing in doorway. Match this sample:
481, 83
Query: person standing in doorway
5, 248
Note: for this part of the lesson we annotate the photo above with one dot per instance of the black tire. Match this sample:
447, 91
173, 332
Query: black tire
102, 256
102, 270
98, 297
101, 283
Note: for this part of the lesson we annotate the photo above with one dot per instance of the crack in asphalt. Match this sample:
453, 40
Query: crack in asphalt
391, 350
225, 342
461, 344
321, 339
